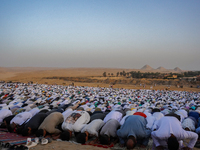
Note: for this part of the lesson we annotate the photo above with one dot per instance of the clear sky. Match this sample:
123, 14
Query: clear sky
100, 33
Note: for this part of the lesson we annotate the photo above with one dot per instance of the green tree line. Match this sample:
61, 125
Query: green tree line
138, 74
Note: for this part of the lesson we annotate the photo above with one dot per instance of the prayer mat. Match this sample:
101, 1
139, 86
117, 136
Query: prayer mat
4, 129
97, 143
13, 138
100, 145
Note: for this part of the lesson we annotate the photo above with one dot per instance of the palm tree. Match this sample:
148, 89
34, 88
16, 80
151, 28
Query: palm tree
117, 74
104, 74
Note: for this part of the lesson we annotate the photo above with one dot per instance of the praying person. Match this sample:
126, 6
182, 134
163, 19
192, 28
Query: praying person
49, 125
90, 130
18, 121
74, 123
3, 114
169, 134
108, 132
33, 124
133, 131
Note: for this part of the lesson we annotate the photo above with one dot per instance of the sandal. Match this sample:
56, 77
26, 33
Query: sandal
1, 144
49, 140
37, 140
7, 145
44, 141
31, 144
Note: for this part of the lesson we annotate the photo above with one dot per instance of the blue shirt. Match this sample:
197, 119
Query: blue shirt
134, 125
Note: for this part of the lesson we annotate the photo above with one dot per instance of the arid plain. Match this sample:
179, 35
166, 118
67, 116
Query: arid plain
93, 77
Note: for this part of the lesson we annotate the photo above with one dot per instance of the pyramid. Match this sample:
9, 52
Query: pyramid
161, 68
177, 69
147, 67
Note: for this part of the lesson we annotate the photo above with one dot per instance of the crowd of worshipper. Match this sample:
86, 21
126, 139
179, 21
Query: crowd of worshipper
129, 117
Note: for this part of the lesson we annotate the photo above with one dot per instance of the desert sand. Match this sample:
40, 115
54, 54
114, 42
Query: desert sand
64, 145
85, 77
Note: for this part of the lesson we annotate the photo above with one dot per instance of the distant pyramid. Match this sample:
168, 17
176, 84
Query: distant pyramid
161, 68
147, 67
177, 69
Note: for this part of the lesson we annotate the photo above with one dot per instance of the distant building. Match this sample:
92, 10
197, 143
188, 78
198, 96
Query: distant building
172, 77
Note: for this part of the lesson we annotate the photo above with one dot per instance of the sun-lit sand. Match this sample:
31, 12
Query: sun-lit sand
82, 77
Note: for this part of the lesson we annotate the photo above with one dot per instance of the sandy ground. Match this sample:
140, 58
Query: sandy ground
64, 145
38, 75
70, 145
